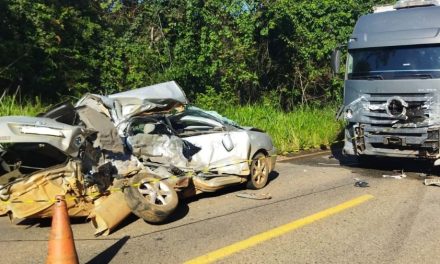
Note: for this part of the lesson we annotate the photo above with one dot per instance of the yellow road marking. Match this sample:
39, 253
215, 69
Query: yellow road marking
278, 231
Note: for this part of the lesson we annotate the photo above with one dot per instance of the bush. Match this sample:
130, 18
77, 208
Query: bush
301, 129
216, 101
14, 105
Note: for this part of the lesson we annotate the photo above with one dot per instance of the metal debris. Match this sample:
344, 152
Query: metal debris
328, 164
435, 181
396, 176
361, 184
423, 175
255, 196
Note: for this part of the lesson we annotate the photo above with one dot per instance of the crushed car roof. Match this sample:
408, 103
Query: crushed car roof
161, 93
121, 106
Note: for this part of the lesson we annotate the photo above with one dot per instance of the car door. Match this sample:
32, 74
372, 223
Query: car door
223, 149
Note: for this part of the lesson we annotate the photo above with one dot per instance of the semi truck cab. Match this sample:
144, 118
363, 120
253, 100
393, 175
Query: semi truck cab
392, 82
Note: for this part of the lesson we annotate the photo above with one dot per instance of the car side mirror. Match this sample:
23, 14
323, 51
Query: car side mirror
336, 60
227, 142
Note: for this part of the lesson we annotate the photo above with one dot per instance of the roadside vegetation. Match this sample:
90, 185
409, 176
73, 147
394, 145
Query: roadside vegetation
301, 129
268, 59
305, 127
15, 105
250, 49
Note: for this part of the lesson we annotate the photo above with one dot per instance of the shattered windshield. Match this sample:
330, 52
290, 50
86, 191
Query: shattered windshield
404, 62
195, 111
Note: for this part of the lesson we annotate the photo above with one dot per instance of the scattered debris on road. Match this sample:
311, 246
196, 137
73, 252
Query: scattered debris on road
423, 175
399, 176
360, 183
435, 181
328, 164
255, 196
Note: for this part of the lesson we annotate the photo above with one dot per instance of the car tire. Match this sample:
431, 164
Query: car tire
150, 199
259, 172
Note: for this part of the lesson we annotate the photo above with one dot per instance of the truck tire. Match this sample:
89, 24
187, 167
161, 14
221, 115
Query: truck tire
150, 199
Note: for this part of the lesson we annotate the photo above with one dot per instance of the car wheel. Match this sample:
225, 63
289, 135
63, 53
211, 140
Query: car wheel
150, 199
259, 172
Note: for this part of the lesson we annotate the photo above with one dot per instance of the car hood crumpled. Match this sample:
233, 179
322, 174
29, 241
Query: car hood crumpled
122, 106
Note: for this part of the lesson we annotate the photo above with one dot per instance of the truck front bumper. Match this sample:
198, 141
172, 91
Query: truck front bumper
365, 139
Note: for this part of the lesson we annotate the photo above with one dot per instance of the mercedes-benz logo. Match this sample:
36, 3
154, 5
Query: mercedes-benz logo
396, 107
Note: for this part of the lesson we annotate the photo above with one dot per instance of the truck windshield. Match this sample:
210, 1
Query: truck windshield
403, 62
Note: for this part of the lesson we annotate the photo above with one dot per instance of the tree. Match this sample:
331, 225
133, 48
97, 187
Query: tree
49, 47
241, 51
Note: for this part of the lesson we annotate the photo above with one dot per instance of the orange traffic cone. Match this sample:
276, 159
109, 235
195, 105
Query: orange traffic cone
61, 244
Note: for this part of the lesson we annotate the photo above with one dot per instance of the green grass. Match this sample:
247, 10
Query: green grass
303, 129
13, 105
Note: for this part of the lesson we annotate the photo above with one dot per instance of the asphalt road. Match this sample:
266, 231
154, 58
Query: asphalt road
399, 225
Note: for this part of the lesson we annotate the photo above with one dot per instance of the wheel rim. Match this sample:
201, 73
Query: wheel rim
259, 171
155, 192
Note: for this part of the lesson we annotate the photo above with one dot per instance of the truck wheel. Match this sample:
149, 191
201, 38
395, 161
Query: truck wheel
259, 172
150, 199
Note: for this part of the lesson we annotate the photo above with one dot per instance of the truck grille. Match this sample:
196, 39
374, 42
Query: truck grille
384, 109
397, 121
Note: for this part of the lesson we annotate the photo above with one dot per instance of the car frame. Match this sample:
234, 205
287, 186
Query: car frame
229, 154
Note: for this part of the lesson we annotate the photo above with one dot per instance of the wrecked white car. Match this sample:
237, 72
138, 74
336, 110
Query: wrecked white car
127, 152
160, 129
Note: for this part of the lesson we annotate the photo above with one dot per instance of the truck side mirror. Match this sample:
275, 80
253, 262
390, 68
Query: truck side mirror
336, 60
